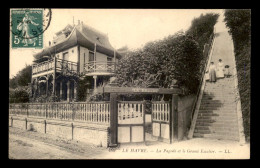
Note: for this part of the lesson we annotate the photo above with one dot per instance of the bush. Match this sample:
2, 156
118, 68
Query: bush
177, 58
239, 23
83, 85
19, 95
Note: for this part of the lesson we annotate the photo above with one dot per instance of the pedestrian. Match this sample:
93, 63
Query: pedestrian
212, 73
220, 69
227, 73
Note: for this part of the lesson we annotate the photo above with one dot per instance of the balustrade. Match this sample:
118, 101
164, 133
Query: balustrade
97, 66
97, 112
161, 111
130, 112
49, 65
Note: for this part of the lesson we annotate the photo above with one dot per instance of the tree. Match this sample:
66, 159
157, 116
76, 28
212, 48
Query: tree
22, 78
176, 57
202, 27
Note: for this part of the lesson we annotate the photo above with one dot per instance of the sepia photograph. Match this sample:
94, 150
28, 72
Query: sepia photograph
129, 83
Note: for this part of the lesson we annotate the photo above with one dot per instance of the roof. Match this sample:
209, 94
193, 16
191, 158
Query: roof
84, 36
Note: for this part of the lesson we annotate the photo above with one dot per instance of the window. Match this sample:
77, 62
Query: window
109, 59
91, 56
66, 56
72, 51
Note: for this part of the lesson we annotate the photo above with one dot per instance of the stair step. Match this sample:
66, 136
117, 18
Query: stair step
216, 108
215, 92
220, 117
217, 124
202, 131
230, 127
216, 101
217, 111
216, 114
228, 105
218, 90
219, 96
205, 117
205, 120
198, 135
221, 137
208, 114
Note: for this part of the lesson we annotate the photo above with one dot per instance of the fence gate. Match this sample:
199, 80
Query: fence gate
134, 125
131, 121
128, 119
161, 128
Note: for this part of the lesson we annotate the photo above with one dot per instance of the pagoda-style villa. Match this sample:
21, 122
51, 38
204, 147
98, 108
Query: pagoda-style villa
76, 51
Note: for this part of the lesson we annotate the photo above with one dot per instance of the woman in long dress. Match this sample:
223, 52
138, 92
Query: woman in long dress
220, 69
212, 72
24, 26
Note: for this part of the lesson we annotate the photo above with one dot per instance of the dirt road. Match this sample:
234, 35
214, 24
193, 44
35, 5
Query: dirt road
33, 145
26, 148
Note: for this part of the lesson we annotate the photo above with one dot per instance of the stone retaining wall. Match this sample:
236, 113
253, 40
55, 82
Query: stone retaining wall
96, 134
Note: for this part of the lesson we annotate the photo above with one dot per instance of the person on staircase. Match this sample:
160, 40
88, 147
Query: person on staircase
212, 72
220, 69
227, 72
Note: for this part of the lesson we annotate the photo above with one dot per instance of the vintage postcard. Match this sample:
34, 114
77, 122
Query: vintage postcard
129, 83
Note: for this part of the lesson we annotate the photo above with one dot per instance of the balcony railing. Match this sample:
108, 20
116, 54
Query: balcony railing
97, 66
63, 64
49, 65
42, 67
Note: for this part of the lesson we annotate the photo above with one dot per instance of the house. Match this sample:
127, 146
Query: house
76, 51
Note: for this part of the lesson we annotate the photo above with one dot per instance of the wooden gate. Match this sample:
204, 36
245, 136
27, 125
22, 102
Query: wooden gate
131, 121
161, 120
127, 119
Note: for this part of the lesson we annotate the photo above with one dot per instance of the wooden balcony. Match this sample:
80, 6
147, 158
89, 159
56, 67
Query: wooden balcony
47, 67
99, 68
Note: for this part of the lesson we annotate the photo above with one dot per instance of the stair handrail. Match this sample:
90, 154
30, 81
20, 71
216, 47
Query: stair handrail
211, 40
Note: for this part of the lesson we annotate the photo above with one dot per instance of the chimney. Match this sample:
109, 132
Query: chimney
80, 25
49, 43
78, 22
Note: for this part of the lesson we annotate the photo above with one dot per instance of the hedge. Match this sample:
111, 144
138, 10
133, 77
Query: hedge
239, 23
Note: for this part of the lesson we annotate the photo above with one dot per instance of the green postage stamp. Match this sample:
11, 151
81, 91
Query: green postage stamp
28, 26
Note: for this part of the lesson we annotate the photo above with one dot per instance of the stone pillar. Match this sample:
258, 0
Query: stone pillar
47, 86
95, 82
175, 123
75, 91
61, 91
113, 120
68, 91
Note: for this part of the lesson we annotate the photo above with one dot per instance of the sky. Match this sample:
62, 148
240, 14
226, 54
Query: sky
125, 27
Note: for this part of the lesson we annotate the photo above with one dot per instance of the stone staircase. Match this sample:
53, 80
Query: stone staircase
217, 117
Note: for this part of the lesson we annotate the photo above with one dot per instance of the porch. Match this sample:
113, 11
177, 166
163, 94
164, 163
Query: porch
65, 87
52, 65
94, 68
